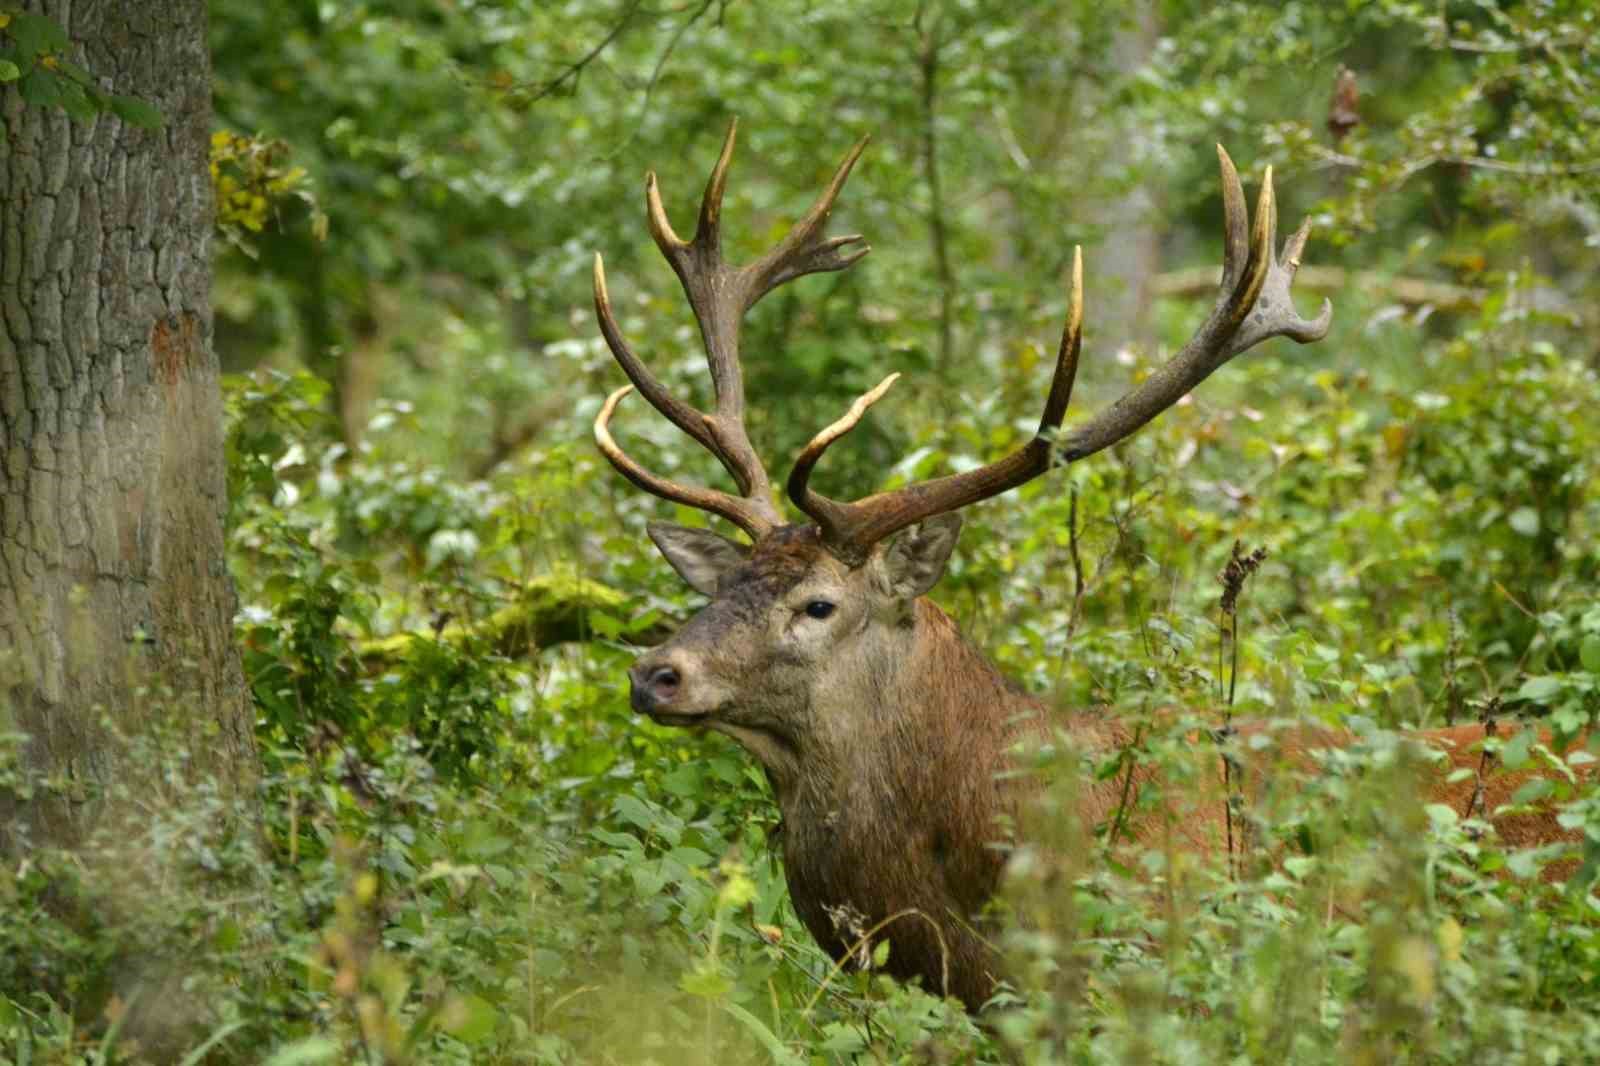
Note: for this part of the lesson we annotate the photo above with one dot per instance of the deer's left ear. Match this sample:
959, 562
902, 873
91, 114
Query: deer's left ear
915, 560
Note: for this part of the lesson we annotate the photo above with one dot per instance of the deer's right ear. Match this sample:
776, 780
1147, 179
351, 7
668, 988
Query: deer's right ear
698, 555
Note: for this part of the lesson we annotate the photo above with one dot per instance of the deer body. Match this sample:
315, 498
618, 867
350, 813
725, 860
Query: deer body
891, 744
888, 739
902, 834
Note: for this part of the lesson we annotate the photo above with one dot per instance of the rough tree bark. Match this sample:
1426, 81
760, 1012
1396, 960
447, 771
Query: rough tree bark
114, 597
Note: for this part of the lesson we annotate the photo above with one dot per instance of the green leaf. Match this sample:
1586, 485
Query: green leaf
470, 1019
36, 35
76, 73
136, 112
764, 1035
1300, 866
634, 810
706, 981
9, 71
1540, 689
843, 1040
1524, 863
40, 88
198, 1055
75, 102
227, 936
1515, 753
1442, 814
1589, 653
304, 1052
1537, 789
1568, 720
1525, 520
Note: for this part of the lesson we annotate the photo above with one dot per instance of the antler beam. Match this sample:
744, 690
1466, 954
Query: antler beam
1253, 305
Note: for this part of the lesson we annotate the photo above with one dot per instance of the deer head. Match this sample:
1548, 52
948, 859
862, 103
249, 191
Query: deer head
881, 730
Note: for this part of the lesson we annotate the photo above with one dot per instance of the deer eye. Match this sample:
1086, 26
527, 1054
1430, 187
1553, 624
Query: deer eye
819, 609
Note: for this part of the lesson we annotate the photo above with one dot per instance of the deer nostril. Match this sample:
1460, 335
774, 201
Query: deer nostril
655, 687
663, 682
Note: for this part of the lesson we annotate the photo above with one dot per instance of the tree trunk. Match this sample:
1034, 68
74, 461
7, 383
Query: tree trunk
115, 601
1127, 261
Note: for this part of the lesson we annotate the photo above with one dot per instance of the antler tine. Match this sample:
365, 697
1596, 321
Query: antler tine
800, 252
851, 529
719, 295
744, 513
677, 412
708, 229
707, 233
1235, 222
1253, 305
830, 515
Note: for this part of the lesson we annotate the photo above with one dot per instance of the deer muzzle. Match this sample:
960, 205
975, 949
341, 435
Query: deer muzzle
656, 685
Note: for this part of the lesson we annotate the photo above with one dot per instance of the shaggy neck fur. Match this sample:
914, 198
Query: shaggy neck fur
892, 812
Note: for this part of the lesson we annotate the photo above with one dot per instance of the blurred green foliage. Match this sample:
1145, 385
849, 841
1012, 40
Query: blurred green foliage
469, 850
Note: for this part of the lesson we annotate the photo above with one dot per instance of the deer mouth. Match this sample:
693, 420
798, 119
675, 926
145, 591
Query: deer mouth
679, 718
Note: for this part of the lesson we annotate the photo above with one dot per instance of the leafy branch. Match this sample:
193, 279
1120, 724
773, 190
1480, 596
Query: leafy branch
33, 55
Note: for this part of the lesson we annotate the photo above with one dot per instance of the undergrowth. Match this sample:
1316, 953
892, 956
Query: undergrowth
467, 849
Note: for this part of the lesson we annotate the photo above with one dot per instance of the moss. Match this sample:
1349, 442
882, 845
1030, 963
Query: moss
552, 609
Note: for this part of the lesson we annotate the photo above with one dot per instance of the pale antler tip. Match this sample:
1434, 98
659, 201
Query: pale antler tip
1324, 319
656, 217
602, 431
1075, 312
1267, 207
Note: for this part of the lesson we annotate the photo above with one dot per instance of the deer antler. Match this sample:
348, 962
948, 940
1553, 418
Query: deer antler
1253, 305
719, 295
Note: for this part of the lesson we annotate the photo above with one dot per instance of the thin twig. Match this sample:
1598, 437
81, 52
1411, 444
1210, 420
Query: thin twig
655, 74
1476, 801
1077, 566
1128, 753
1411, 168
1240, 566
572, 72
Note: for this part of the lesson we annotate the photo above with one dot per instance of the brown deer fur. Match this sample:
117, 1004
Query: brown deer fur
887, 738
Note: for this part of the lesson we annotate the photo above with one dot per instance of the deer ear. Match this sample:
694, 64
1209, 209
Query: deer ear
698, 555
915, 560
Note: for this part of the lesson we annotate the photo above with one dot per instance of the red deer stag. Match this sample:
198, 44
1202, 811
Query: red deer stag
885, 735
